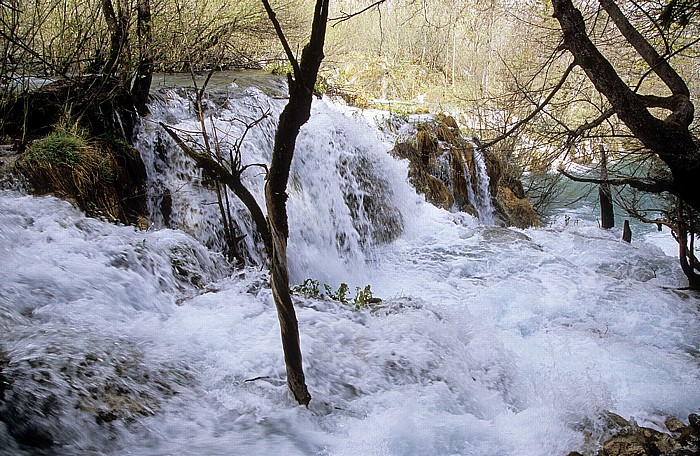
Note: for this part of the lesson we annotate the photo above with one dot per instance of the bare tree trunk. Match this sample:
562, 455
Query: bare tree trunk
117, 25
686, 246
607, 216
144, 72
294, 115
627, 232
669, 138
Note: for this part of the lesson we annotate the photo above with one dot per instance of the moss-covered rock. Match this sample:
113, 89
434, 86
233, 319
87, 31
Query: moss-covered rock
441, 166
517, 212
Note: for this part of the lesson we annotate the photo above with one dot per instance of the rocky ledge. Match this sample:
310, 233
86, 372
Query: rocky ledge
630, 439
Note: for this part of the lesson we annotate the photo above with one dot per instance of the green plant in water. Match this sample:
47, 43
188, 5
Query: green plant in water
362, 300
309, 289
340, 294
363, 297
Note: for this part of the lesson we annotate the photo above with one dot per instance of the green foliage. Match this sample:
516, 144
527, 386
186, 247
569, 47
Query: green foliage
363, 297
63, 146
280, 67
362, 300
309, 289
340, 294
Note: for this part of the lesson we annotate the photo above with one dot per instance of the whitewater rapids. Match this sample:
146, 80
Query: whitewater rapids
489, 341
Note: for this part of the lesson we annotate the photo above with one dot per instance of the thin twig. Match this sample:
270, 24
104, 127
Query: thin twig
348, 16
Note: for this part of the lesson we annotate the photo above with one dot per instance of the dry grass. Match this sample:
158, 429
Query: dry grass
70, 165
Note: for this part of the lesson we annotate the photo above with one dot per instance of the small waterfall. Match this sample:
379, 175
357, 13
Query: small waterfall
478, 186
482, 198
179, 195
340, 205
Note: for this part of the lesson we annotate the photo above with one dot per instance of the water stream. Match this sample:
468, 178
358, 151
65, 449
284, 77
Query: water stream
489, 341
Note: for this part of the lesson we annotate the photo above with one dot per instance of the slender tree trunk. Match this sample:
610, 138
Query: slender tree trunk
116, 23
607, 215
686, 246
144, 72
290, 122
294, 115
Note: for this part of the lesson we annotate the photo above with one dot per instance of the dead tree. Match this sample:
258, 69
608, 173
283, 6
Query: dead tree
144, 71
607, 213
627, 232
295, 114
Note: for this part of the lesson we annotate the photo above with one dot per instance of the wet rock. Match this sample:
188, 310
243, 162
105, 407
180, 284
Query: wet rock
57, 396
673, 424
442, 166
629, 439
694, 421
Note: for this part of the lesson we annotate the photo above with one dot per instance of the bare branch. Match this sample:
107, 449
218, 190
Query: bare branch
593, 124
230, 179
283, 39
539, 108
656, 186
347, 16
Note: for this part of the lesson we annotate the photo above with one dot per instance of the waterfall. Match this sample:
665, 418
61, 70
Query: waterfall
117, 340
341, 202
478, 186
483, 203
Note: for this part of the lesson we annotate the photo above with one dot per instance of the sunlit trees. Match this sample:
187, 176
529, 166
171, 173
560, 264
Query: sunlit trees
437, 51
617, 75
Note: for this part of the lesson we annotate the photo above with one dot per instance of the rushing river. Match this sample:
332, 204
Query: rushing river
489, 341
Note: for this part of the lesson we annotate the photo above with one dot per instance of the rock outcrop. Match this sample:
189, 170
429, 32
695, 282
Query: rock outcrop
630, 439
444, 166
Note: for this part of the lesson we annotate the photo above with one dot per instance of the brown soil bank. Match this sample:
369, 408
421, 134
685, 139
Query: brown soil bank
71, 138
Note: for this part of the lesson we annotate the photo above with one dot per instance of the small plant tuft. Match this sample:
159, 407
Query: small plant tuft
309, 289
69, 163
362, 300
340, 294
363, 297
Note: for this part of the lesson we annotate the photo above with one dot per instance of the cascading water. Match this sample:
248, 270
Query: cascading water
340, 205
489, 341
481, 197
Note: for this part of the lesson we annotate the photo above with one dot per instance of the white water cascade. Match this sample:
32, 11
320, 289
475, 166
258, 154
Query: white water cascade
483, 194
489, 341
481, 198
342, 203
